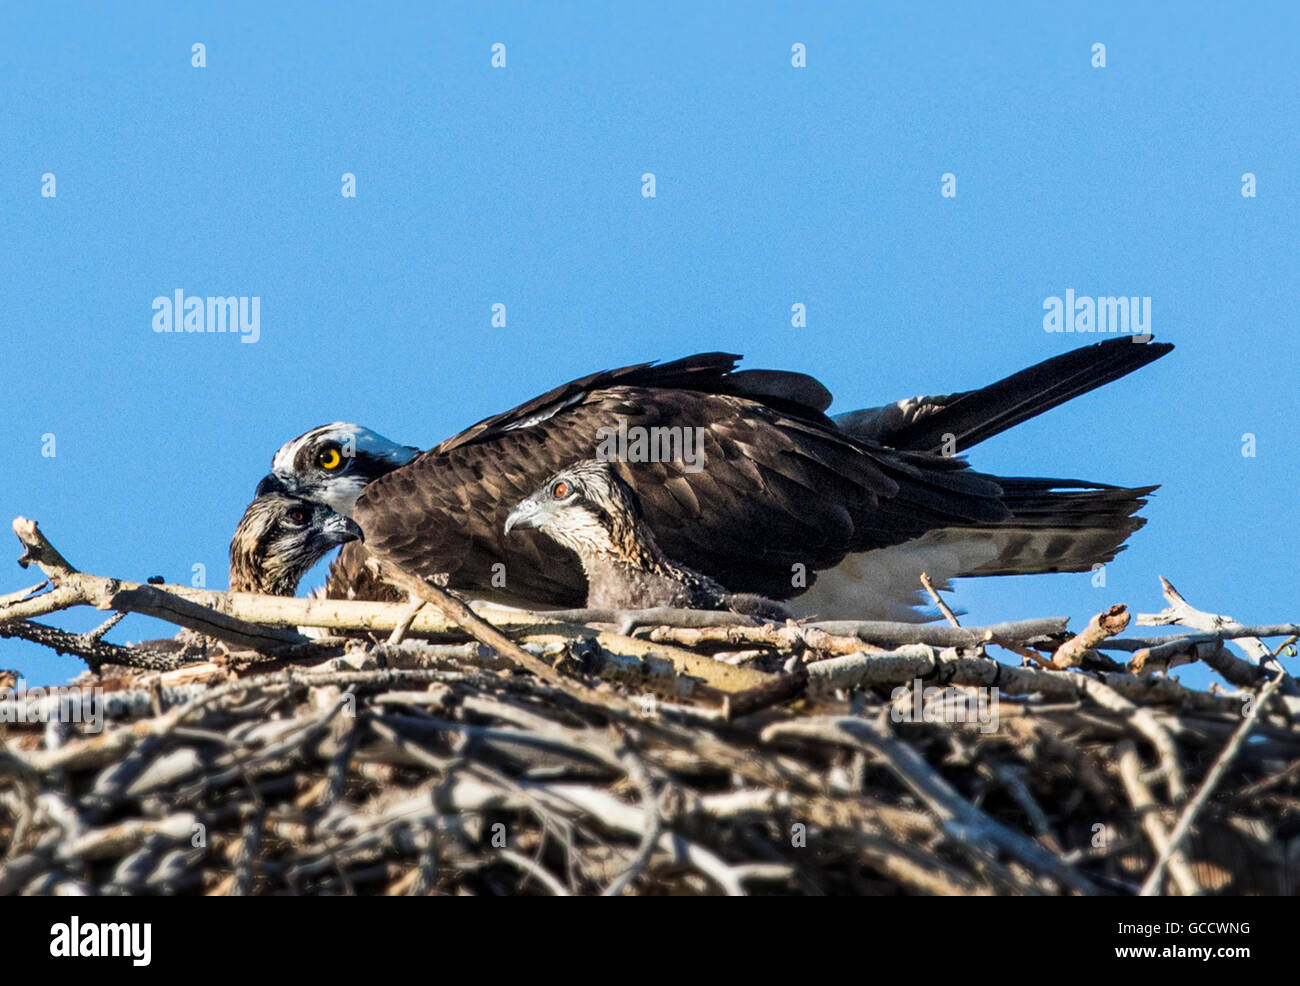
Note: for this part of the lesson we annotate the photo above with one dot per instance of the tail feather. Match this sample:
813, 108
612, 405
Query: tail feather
1056, 525
970, 417
1047, 525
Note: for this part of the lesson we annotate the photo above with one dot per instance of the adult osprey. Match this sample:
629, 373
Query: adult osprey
781, 491
589, 509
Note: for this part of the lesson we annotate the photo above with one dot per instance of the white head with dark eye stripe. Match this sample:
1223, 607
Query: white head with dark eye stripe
587, 507
333, 463
279, 538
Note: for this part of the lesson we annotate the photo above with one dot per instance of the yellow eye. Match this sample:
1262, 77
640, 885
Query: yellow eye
329, 458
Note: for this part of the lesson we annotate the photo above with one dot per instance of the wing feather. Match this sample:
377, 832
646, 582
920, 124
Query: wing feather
780, 484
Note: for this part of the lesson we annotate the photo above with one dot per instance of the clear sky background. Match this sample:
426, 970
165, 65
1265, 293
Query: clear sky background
522, 185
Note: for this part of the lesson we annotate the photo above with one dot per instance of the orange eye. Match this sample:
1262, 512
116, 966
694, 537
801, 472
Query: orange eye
560, 490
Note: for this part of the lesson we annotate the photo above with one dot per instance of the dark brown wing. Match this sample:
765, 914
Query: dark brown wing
780, 484
708, 373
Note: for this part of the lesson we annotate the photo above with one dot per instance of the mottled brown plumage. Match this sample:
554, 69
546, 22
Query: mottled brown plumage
353, 575
778, 488
279, 538
590, 510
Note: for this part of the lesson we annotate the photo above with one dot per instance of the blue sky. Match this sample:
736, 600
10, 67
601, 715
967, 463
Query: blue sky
522, 185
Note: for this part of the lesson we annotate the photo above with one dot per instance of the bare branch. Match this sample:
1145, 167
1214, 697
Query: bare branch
1071, 653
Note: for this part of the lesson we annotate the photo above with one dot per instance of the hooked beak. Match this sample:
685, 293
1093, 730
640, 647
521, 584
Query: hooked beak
271, 483
528, 514
339, 530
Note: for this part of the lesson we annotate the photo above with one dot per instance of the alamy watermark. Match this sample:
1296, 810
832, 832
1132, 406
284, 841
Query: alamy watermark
916, 703
29, 706
179, 313
656, 443
1107, 315
102, 940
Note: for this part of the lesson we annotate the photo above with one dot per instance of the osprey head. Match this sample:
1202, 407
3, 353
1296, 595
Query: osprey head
279, 538
333, 463
586, 506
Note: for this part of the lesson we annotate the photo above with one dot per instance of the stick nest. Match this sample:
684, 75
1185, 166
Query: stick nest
652, 753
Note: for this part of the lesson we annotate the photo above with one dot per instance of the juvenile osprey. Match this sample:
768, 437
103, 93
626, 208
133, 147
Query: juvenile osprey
279, 538
780, 491
589, 509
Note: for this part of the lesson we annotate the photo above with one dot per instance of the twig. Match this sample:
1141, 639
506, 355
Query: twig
938, 600
1212, 777
1145, 722
404, 624
1018, 649
1145, 806
22, 594
1181, 612
1071, 653
94, 652
887, 634
936, 792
